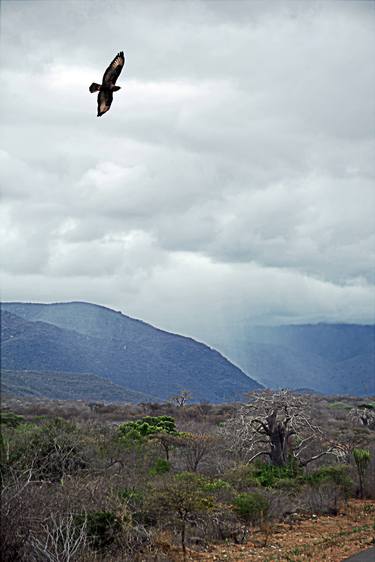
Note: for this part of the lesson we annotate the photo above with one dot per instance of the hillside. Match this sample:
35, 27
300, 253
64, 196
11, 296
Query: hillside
86, 338
66, 386
328, 358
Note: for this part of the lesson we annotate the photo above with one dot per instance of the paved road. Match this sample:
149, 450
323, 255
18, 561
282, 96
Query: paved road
364, 556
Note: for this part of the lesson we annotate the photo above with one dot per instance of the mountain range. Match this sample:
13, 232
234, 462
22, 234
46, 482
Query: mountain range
327, 358
83, 338
131, 360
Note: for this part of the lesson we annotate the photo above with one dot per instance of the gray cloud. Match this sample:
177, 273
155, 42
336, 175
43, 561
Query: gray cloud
231, 182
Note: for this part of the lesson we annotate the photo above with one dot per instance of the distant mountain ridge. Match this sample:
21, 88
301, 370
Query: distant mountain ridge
82, 337
328, 358
86, 338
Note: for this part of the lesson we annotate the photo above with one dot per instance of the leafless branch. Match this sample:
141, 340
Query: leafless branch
281, 419
62, 539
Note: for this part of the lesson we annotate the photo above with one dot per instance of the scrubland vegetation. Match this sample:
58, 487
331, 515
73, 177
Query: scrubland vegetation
163, 482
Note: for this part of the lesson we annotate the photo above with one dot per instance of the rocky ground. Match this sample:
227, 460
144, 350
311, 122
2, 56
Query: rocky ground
313, 539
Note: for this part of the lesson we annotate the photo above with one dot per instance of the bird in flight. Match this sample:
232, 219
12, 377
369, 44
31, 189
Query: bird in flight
107, 87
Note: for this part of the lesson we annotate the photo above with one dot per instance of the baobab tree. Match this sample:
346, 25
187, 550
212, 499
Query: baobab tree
277, 425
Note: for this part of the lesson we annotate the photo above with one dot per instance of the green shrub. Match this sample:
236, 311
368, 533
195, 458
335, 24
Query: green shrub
252, 507
102, 527
180, 501
335, 474
147, 426
184, 491
131, 495
241, 477
161, 466
292, 484
53, 449
339, 406
11, 419
268, 475
216, 485
369, 405
361, 456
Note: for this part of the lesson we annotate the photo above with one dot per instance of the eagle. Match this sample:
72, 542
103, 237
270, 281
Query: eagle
107, 87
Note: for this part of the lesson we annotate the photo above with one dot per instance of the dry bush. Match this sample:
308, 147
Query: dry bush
39, 499
283, 503
325, 498
14, 524
196, 450
60, 540
224, 525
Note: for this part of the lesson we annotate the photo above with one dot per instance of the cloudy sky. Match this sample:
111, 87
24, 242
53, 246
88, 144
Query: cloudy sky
232, 182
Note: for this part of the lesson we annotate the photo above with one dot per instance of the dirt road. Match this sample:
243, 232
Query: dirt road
365, 556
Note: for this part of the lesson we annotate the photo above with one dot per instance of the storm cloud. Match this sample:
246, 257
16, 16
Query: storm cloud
231, 182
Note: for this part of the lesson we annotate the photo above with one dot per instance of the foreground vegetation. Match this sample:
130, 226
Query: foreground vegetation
173, 481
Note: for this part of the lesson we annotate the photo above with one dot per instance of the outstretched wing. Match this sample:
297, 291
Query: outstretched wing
104, 101
114, 69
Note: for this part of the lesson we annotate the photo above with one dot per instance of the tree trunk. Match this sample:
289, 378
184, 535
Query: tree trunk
361, 492
279, 446
183, 544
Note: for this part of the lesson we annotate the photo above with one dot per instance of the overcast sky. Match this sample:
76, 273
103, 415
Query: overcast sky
232, 181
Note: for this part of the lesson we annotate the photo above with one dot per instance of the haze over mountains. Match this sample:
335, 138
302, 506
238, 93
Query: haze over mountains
86, 338
328, 358
82, 340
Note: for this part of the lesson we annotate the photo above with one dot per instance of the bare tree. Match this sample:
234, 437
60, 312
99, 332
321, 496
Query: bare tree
181, 398
277, 425
62, 540
196, 447
14, 516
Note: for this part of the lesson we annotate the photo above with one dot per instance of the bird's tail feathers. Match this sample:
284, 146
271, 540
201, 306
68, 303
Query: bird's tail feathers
94, 87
